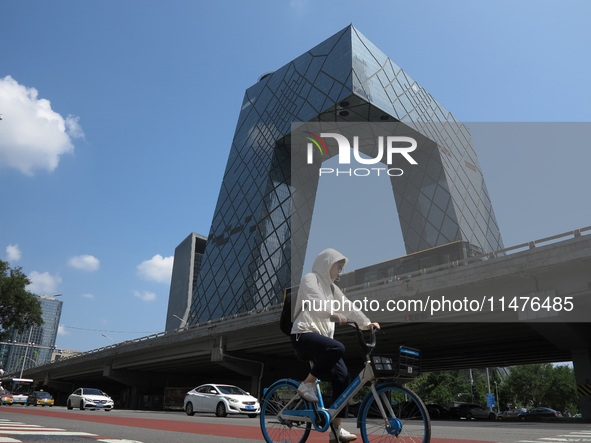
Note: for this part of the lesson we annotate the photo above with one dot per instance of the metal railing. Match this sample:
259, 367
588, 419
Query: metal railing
466, 261
208, 323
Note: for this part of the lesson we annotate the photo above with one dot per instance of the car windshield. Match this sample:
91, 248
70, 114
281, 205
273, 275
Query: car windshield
91, 391
43, 394
231, 390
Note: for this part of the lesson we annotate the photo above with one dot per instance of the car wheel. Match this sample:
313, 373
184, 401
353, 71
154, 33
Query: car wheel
469, 416
500, 418
220, 410
82, 405
522, 418
491, 416
69, 405
253, 415
189, 409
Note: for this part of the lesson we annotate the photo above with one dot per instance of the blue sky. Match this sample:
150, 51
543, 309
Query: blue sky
118, 119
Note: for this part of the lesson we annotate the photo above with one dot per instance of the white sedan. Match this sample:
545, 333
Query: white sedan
90, 398
222, 400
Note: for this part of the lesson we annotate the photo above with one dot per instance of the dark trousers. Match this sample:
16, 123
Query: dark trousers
327, 355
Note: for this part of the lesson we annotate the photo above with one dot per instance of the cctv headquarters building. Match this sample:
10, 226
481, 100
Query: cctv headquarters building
254, 249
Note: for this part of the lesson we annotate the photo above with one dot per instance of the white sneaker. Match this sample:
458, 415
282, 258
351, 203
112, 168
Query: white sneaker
344, 436
308, 392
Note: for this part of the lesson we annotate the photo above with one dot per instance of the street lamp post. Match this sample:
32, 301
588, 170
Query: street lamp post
106, 336
497, 392
26, 352
182, 321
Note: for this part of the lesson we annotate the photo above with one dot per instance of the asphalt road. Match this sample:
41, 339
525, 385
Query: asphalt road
59, 425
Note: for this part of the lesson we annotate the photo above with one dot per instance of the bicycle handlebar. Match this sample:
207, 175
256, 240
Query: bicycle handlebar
367, 347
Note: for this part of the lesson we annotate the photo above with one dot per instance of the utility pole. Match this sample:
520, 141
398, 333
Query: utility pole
471, 387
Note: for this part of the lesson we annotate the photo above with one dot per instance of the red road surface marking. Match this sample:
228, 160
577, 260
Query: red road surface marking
233, 431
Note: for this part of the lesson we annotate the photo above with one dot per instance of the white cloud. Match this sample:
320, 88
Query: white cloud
85, 263
61, 330
157, 269
73, 128
32, 135
146, 296
89, 296
13, 253
43, 283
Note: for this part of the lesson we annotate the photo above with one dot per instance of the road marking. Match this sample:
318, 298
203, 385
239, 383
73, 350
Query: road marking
575, 436
111, 440
44, 432
8, 427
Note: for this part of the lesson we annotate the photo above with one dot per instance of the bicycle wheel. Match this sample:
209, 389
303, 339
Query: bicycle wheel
276, 429
408, 419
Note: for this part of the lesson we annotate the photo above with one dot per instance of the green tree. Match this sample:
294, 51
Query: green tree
562, 395
528, 385
442, 387
19, 308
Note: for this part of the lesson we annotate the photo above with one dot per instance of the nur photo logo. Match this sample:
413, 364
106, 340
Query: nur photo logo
384, 150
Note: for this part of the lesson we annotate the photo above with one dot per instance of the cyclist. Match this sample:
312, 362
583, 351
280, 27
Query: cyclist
312, 332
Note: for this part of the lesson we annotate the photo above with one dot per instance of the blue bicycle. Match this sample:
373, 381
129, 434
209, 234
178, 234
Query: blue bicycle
389, 411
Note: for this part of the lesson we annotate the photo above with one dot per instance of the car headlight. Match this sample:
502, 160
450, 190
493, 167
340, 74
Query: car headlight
231, 400
89, 400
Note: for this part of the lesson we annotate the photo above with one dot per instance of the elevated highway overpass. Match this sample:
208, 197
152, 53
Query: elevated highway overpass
250, 350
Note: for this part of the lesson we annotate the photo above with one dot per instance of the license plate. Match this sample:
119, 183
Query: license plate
249, 408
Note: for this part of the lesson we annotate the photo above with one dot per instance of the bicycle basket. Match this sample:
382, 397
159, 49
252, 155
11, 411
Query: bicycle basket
405, 365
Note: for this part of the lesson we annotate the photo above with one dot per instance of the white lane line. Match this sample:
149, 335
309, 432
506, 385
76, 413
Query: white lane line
18, 428
4, 426
43, 432
114, 440
26, 427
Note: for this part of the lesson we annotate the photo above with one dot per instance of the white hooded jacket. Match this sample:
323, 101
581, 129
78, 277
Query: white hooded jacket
316, 288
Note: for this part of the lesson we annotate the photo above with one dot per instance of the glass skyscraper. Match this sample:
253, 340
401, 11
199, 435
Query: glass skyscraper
35, 345
249, 256
187, 262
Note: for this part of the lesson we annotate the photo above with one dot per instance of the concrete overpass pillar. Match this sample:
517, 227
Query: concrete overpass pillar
241, 365
582, 367
133, 397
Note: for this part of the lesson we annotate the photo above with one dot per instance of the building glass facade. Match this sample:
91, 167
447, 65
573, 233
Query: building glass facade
187, 262
35, 346
255, 249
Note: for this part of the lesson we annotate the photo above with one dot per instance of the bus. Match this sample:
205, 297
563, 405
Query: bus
20, 388
409, 265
